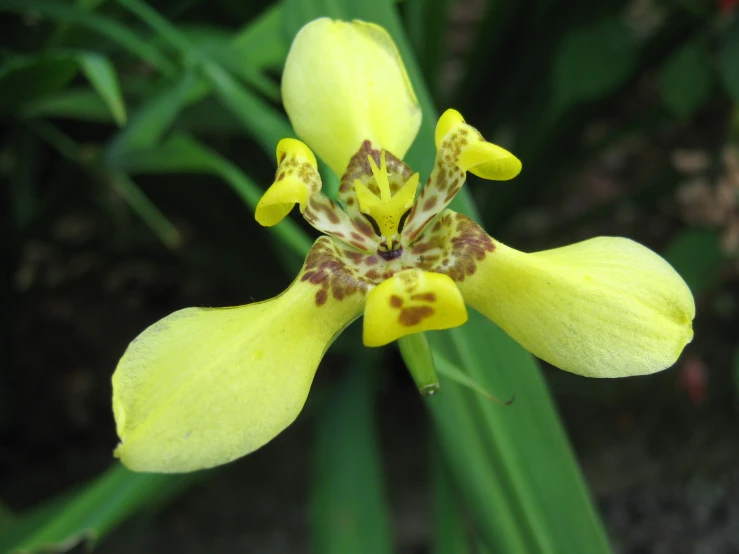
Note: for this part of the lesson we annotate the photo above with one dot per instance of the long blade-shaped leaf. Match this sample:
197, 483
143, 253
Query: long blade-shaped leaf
106, 27
184, 154
101, 74
89, 514
348, 510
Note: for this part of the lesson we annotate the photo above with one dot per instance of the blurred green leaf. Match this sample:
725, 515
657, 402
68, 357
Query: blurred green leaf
449, 530
106, 27
146, 209
116, 180
261, 43
184, 154
592, 61
729, 60
77, 103
27, 78
89, 514
151, 120
427, 22
454, 373
348, 511
696, 255
262, 121
102, 76
685, 80
219, 46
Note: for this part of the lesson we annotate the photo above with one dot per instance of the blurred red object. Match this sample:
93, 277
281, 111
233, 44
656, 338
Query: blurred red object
693, 379
727, 6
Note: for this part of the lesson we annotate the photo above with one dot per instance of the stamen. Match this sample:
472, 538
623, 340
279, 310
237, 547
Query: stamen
381, 178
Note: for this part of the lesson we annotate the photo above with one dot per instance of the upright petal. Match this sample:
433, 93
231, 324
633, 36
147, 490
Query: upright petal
344, 83
605, 307
204, 386
459, 148
296, 180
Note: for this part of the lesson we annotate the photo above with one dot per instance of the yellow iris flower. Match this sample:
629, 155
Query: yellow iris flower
203, 387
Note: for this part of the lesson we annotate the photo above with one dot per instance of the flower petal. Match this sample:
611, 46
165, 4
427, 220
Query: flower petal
463, 146
409, 302
459, 148
296, 180
605, 307
344, 83
203, 386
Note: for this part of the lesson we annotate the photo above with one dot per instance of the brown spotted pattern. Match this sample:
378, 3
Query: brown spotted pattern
453, 245
445, 182
417, 306
326, 268
434, 239
325, 215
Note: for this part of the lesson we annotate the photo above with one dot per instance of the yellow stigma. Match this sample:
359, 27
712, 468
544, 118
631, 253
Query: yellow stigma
387, 211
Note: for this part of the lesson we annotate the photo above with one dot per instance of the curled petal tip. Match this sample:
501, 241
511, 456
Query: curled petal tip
463, 146
296, 180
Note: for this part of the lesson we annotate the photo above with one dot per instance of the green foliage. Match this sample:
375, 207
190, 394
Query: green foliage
592, 61
88, 515
686, 78
728, 56
696, 254
348, 508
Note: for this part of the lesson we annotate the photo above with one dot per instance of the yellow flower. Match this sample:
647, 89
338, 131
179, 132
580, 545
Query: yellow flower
205, 386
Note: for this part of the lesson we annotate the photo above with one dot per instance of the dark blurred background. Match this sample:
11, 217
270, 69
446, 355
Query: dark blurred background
626, 117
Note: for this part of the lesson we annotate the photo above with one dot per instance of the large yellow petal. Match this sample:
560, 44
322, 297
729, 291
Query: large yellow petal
204, 386
605, 307
344, 83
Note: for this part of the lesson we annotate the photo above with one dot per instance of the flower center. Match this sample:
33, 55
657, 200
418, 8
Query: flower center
387, 212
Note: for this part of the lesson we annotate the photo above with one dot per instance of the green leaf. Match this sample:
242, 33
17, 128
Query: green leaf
151, 120
30, 77
348, 511
592, 61
89, 514
262, 121
82, 104
427, 25
146, 209
522, 458
449, 532
696, 255
685, 80
454, 373
728, 60
106, 27
101, 74
184, 154
261, 43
